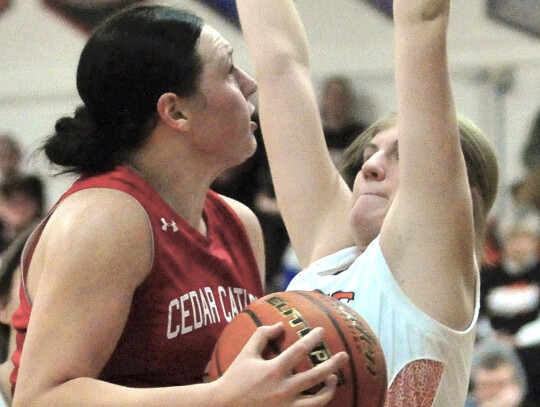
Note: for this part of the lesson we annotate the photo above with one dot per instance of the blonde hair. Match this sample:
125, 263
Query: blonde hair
480, 159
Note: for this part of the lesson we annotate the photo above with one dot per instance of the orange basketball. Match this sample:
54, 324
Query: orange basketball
362, 382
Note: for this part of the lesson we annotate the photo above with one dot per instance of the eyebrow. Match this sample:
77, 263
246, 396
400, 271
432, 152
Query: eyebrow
228, 49
229, 57
391, 150
371, 145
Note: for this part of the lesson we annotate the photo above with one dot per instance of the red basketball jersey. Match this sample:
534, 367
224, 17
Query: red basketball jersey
196, 286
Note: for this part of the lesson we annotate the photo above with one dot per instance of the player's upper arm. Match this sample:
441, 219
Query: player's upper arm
95, 250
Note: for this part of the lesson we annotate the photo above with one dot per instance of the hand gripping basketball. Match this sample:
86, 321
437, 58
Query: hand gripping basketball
362, 381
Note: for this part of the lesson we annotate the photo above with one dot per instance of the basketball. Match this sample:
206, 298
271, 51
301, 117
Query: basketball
362, 382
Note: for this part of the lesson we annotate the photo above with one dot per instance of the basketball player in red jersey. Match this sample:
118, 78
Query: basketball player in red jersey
132, 276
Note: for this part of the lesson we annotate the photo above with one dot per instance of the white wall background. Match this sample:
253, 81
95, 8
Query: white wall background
39, 53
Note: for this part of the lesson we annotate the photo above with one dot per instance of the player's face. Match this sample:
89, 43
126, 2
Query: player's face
223, 122
375, 185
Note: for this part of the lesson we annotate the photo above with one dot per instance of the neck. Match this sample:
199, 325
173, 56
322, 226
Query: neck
184, 192
178, 170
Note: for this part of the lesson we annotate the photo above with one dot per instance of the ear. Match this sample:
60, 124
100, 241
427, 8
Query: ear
173, 111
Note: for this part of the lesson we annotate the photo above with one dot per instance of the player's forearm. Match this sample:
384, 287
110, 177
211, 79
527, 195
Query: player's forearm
426, 112
87, 392
274, 34
422, 80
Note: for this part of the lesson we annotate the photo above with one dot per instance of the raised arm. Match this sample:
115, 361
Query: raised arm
428, 235
313, 199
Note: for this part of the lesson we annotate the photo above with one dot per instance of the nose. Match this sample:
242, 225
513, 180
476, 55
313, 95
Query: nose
248, 86
374, 167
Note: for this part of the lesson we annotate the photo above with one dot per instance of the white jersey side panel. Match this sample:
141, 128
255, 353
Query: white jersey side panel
428, 363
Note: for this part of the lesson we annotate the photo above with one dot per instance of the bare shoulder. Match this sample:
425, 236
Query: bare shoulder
246, 215
99, 229
243, 211
110, 213
253, 228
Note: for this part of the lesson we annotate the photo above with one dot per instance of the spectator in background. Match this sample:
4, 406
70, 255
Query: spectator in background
531, 151
529, 190
11, 161
21, 203
9, 299
510, 296
493, 244
22, 197
510, 289
527, 195
337, 106
497, 378
10, 158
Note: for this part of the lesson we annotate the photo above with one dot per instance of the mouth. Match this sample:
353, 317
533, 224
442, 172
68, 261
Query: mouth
378, 194
253, 126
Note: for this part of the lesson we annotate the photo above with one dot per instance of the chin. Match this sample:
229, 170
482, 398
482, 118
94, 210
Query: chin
253, 146
366, 228
248, 153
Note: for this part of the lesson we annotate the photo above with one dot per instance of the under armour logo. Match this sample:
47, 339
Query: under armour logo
167, 225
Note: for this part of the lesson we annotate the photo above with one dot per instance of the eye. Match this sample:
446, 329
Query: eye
367, 154
232, 66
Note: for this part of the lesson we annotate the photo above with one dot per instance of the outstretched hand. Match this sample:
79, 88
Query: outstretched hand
253, 381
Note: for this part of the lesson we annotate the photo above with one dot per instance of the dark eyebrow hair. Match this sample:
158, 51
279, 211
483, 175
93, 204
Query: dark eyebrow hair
230, 52
227, 60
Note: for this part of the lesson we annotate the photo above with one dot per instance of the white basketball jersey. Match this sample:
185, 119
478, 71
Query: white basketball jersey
428, 363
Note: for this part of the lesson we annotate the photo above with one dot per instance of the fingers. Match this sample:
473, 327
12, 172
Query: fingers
322, 397
291, 356
260, 338
274, 378
322, 373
